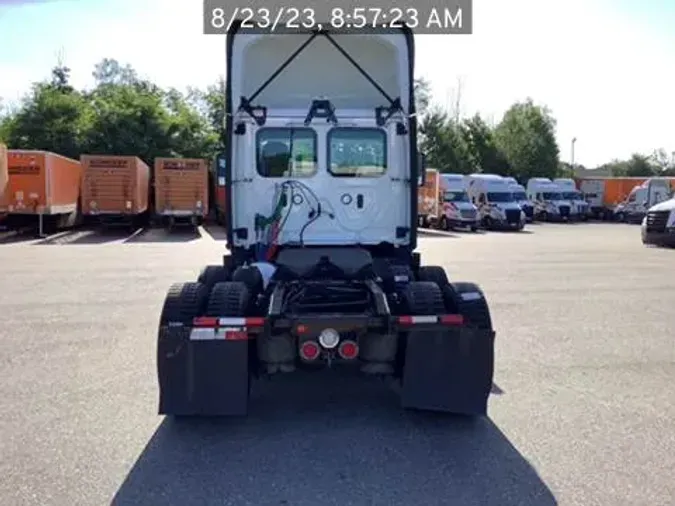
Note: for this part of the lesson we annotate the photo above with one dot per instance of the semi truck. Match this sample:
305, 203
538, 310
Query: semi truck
641, 198
444, 204
520, 196
607, 196
549, 204
497, 207
580, 209
658, 226
322, 273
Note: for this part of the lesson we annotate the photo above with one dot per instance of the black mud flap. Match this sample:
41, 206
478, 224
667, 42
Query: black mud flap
448, 370
202, 377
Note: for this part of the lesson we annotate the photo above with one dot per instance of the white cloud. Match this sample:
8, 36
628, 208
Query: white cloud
606, 78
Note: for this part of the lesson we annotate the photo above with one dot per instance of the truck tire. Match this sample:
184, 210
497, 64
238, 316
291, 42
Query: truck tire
251, 277
212, 274
418, 298
434, 274
228, 298
183, 303
469, 301
423, 298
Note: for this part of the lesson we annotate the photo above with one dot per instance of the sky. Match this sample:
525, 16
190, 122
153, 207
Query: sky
603, 67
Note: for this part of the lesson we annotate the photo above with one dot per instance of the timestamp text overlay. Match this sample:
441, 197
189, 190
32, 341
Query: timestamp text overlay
351, 16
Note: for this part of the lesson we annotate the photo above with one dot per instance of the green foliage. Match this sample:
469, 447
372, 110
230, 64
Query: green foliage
526, 136
126, 115
122, 115
422, 92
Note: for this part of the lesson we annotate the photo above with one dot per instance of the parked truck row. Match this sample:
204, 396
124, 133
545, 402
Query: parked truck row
489, 201
61, 192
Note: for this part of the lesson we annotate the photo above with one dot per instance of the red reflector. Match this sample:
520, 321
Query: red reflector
255, 322
236, 335
348, 350
452, 319
309, 350
301, 329
405, 320
205, 321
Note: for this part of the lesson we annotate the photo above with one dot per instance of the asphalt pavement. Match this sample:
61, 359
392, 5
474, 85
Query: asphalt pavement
582, 411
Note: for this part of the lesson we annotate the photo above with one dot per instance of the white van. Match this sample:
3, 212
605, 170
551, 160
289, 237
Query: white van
580, 209
497, 207
549, 204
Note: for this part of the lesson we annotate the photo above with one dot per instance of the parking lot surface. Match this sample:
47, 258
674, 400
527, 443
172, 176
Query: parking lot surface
582, 411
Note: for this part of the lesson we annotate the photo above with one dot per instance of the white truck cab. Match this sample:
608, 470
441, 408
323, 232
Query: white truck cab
458, 209
329, 151
641, 198
549, 204
568, 188
658, 226
497, 207
520, 196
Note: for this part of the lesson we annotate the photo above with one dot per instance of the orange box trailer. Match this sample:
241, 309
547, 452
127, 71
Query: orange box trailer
42, 183
617, 189
181, 189
114, 188
4, 176
427, 197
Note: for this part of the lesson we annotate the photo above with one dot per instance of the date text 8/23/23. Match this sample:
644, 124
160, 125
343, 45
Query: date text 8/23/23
278, 19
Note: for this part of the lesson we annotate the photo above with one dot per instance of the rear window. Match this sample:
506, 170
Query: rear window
286, 152
357, 152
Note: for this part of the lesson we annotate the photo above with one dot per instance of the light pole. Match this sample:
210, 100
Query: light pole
574, 140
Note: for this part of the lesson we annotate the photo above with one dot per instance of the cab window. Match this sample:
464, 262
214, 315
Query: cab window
357, 152
286, 152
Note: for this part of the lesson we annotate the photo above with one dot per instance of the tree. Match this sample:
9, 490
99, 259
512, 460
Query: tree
109, 71
640, 166
526, 136
663, 161
443, 144
422, 91
211, 105
53, 117
482, 151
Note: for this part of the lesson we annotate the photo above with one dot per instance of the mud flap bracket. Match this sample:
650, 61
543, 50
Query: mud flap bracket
448, 370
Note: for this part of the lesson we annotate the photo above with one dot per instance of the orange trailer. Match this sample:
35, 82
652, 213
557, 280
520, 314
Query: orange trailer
617, 189
42, 184
3, 168
181, 190
115, 189
427, 198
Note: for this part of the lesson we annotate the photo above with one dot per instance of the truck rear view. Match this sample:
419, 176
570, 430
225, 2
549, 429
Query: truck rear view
43, 187
181, 190
115, 189
322, 179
